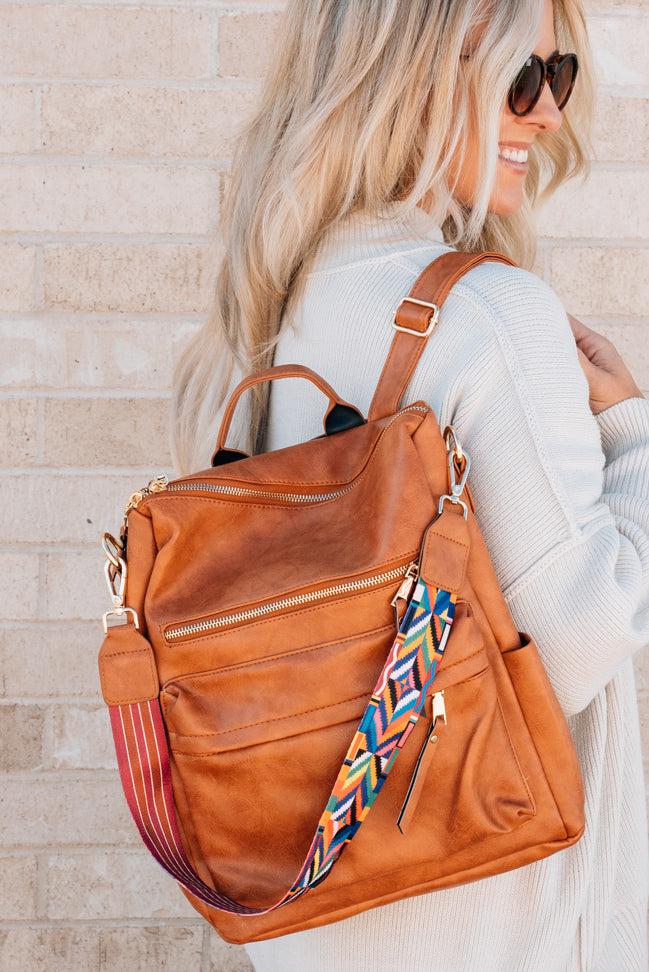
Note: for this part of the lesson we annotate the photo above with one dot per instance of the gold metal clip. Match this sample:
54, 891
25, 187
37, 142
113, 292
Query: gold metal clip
455, 451
115, 572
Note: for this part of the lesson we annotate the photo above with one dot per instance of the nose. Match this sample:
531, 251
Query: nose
545, 113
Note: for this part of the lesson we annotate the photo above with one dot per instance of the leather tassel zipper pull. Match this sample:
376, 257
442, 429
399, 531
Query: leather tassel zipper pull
424, 759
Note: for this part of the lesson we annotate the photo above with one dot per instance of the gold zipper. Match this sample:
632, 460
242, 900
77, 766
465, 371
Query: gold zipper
246, 491
160, 483
292, 600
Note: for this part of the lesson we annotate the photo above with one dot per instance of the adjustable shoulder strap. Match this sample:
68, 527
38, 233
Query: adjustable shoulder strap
416, 316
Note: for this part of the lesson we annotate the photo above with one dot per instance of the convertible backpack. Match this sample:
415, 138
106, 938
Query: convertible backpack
319, 699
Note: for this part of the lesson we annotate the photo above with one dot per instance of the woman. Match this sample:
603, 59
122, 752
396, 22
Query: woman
388, 133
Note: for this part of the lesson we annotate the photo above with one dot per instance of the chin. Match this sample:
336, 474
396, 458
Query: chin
506, 206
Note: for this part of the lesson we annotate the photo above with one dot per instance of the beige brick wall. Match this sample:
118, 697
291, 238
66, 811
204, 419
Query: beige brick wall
115, 122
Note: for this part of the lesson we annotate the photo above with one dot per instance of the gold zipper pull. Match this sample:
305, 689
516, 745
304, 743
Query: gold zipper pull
134, 499
405, 589
407, 583
157, 484
439, 708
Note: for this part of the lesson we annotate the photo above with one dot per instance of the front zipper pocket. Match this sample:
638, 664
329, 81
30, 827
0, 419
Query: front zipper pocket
228, 489
405, 571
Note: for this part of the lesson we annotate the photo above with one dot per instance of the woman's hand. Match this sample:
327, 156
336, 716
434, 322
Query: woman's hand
609, 379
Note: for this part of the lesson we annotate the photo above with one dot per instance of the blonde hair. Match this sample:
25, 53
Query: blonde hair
365, 105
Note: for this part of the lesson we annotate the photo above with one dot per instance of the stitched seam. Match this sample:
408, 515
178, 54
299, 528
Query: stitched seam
130, 651
464, 560
511, 746
265, 722
152, 671
462, 661
438, 533
532, 573
276, 656
293, 715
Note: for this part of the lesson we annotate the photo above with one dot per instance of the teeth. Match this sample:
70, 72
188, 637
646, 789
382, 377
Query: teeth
515, 155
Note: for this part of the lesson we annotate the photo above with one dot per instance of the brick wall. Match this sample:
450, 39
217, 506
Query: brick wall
114, 130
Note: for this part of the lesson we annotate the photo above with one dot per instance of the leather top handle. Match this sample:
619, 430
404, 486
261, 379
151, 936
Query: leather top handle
418, 313
340, 415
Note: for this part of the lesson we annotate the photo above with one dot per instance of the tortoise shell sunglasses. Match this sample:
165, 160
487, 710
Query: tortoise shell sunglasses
559, 70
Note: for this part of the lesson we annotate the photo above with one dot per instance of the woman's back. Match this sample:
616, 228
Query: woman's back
502, 367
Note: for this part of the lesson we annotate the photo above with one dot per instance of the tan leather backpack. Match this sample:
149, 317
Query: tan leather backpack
305, 635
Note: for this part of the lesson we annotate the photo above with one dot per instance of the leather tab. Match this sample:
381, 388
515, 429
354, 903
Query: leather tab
445, 549
126, 667
420, 772
433, 285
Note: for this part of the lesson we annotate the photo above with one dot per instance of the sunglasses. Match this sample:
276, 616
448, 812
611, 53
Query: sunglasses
560, 71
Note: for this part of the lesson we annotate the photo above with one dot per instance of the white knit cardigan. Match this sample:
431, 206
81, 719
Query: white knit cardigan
562, 498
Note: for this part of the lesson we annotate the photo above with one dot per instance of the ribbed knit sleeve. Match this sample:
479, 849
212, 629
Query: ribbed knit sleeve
562, 496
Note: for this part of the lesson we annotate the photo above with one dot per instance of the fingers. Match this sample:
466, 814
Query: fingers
588, 367
579, 329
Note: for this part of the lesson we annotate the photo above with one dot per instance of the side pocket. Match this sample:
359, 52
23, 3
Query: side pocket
466, 785
549, 729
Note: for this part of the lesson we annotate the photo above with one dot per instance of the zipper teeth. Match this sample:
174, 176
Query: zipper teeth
273, 494
243, 491
290, 601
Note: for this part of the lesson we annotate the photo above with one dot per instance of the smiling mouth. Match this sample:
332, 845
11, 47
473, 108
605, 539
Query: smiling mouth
515, 158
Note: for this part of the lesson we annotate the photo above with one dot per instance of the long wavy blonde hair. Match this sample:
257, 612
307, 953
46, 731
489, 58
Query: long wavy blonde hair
364, 105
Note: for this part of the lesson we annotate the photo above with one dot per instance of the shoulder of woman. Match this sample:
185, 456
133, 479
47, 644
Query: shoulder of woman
524, 324
504, 288
507, 309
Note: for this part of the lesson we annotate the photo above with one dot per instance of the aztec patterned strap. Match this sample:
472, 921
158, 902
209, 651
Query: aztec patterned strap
391, 714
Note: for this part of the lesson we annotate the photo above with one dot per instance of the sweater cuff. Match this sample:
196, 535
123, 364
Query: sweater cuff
626, 422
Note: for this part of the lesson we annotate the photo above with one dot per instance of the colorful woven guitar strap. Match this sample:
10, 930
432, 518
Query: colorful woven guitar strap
390, 716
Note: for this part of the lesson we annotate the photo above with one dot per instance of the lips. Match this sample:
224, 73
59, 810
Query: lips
514, 154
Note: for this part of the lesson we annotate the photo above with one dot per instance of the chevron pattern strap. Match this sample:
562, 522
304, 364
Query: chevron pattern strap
391, 714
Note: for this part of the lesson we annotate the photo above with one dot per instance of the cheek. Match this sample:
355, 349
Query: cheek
508, 192
469, 170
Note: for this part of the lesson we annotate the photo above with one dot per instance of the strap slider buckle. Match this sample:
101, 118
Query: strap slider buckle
432, 321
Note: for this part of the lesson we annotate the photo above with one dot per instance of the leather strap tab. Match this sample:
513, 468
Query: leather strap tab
433, 285
420, 772
126, 667
445, 549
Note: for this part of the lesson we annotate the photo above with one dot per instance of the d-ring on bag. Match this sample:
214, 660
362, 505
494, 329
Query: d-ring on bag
300, 637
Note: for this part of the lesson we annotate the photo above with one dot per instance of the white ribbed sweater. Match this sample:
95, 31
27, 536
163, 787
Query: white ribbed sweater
562, 498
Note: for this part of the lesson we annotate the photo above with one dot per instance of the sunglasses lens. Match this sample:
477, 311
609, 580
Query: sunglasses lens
564, 80
526, 86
